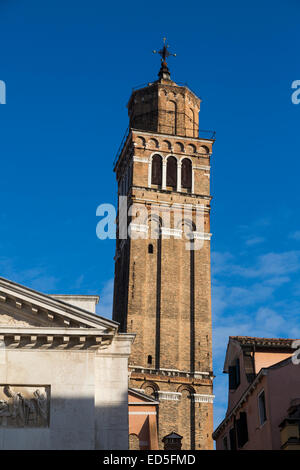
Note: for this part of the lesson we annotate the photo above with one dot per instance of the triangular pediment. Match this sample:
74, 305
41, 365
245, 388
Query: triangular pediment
139, 397
21, 307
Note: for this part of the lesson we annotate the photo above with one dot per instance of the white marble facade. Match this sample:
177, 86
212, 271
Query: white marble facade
63, 374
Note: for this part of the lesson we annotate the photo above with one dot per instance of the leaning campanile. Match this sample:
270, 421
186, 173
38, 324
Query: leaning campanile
162, 288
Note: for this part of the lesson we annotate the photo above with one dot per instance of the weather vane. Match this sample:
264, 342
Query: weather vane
164, 53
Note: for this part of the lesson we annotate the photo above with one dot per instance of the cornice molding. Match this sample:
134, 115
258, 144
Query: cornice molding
21, 297
53, 338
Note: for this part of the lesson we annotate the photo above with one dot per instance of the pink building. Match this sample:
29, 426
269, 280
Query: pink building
142, 411
263, 398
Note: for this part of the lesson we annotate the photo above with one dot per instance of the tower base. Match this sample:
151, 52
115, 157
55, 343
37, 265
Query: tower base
185, 404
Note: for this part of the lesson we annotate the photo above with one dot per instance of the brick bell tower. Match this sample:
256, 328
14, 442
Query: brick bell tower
162, 288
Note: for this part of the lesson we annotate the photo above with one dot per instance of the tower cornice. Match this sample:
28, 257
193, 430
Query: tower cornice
130, 131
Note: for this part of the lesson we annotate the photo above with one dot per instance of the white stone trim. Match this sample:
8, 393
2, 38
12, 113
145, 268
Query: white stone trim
164, 174
203, 398
193, 180
171, 232
198, 374
143, 403
201, 235
187, 138
178, 175
202, 167
171, 396
141, 159
149, 160
177, 204
138, 227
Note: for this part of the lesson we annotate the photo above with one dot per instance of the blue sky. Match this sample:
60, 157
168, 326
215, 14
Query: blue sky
69, 68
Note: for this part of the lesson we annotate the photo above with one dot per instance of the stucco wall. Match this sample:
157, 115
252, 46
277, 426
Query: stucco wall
284, 384
267, 359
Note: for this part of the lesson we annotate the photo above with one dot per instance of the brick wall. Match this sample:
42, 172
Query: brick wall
164, 295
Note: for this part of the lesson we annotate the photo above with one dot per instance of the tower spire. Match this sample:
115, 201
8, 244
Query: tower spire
164, 72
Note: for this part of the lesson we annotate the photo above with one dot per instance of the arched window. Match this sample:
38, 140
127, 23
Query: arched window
156, 177
186, 173
204, 149
149, 360
172, 172
150, 249
134, 442
150, 390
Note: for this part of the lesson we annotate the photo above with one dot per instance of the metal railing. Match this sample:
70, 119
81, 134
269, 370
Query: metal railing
171, 130
121, 145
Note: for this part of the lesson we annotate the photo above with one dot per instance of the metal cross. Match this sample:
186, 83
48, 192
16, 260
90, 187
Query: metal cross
164, 51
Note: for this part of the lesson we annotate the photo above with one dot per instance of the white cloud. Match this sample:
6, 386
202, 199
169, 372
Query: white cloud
270, 323
254, 241
266, 265
78, 282
276, 281
259, 223
246, 302
104, 308
36, 278
230, 297
265, 322
295, 235
220, 261
278, 263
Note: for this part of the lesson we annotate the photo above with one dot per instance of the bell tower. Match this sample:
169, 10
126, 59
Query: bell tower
162, 288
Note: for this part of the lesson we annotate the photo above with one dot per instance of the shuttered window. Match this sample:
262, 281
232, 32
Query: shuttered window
156, 177
232, 439
186, 173
262, 408
172, 172
242, 429
234, 375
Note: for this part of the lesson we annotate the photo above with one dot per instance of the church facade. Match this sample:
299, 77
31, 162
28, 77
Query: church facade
63, 373
162, 277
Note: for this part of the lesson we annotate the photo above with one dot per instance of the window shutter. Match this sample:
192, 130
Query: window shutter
232, 378
172, 172
186, 173
232, 439
262, 408
156, 177
242, 429
237, 373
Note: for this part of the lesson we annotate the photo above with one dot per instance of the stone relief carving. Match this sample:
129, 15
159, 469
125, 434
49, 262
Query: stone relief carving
22, 406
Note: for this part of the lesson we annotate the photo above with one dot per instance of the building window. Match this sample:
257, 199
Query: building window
242, 429
172, 172
149, 360
156, 175
150, 249
225, 443
232, 439
186, 173
234, 375
134, 442
262, 408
